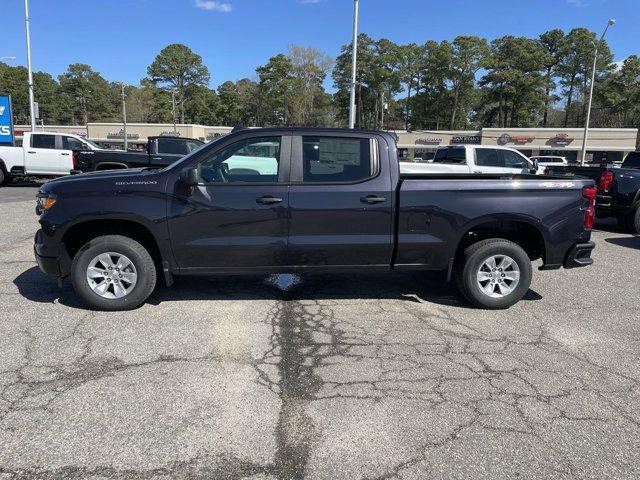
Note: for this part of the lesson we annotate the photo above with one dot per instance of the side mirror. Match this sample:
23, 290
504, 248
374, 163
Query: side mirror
189, 177
534, 168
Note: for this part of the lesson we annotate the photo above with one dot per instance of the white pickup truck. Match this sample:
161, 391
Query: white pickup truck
473, 159
42, 154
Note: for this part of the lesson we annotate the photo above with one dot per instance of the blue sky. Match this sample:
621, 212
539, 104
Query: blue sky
120, 38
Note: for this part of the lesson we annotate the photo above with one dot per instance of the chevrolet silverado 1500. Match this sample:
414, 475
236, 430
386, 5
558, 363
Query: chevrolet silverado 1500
306, 200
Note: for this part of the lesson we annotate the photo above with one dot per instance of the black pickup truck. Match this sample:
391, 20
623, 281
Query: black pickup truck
307, 200
618, 189
161, 151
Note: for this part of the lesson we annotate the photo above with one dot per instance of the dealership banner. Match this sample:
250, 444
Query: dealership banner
6, 120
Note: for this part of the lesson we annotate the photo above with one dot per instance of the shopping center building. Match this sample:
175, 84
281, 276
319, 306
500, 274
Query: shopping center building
604, 144
111, 135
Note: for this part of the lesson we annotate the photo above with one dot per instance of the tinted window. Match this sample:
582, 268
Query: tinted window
174, 146
632, 160
250, 160
43, 141
193, 145
70, 143
488, 157
335, 159
450, 155
513, 160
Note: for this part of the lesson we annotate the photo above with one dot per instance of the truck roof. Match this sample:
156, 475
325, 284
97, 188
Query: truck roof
317, 130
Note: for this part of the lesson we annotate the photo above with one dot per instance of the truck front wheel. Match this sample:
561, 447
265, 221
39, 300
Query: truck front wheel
113, 272
495, 274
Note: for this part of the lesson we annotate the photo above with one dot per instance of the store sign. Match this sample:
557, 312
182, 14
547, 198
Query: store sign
6, 120
428, 141
505, 139
120, 136
169, 134
561, 140
467, 139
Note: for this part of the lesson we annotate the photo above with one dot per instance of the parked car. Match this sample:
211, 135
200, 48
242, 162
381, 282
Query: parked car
549, 160
161, 151
307, 200
473, 159
42, 154
618, 189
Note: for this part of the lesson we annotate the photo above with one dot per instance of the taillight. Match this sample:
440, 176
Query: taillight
606, 180
590, 213
74, 159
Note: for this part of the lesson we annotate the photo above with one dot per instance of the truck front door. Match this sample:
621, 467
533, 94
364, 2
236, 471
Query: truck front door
236, 218
44, 155
340, 201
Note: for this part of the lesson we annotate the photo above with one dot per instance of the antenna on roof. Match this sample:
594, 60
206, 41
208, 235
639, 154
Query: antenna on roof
238, 127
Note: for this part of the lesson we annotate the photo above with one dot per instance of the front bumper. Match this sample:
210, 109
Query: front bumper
579, 255
47, 264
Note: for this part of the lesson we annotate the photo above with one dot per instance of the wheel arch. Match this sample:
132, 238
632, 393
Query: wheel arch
521, 230
111, 166
83, 231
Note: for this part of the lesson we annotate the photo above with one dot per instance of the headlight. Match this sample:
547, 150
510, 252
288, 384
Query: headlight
45, 202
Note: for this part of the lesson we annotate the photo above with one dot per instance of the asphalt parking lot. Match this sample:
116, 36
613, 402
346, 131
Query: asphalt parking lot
323, 377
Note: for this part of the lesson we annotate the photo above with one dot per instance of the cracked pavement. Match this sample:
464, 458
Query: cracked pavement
321, 377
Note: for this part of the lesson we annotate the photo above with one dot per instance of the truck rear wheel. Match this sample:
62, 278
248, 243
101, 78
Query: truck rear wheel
634, 220
113, 272
495, 274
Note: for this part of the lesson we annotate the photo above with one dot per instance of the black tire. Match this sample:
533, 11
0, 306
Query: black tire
3, 177
624, 222
475, 256
634, 220
139, 256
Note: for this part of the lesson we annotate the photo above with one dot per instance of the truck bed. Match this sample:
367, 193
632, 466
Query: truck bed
436, 211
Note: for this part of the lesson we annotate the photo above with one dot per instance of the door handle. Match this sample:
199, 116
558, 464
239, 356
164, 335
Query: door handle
371, 199
268, 200
31, 152
65, 154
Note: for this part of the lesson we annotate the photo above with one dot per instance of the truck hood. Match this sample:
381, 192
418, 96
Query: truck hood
102, 179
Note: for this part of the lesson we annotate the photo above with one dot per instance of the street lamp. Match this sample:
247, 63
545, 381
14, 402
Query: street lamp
173, 110
610, 23
30, 74
124, 119
354, 55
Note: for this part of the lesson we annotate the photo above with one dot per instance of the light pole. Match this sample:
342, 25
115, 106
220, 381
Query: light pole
30, 74
173, 109
610, 23
354, 55
124, 120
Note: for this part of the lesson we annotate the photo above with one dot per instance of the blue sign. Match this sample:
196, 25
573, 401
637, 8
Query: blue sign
6, 120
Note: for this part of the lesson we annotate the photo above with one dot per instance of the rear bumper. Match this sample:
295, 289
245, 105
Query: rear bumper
579, 255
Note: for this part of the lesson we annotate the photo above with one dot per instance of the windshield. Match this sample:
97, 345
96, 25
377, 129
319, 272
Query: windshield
190, 154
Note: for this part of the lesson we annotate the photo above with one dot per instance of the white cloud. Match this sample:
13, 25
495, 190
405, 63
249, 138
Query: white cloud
309, 1
577, 3
214, 6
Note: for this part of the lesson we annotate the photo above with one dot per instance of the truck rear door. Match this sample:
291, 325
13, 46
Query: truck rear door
340, 201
